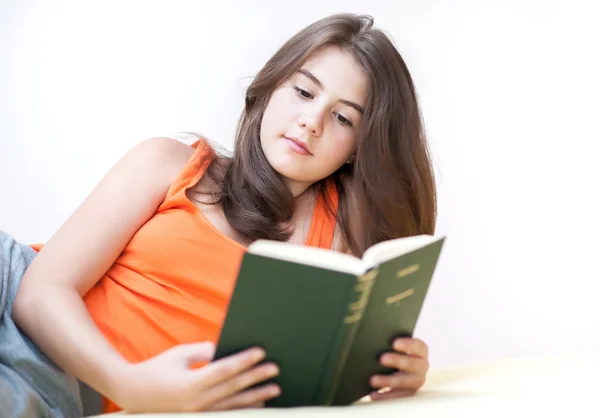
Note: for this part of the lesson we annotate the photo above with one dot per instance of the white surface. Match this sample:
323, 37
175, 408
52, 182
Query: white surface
510, 99
517, 387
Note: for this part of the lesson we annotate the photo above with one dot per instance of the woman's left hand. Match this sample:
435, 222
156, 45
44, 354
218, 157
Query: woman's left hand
410, 358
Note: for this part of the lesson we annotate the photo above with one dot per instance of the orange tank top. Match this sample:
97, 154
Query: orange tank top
173, 281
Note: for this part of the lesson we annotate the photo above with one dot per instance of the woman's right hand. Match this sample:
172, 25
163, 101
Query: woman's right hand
169, 383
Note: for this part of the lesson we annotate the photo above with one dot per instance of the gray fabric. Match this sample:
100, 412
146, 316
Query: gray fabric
30, 384
92, 400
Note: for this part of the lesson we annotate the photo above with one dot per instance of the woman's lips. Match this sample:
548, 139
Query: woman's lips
297, 146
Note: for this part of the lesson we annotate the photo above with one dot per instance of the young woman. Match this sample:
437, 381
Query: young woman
130, 293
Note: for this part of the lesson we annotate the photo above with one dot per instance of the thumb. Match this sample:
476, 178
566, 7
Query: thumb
198, 353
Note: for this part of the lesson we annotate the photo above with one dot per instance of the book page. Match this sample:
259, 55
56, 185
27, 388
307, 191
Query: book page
312, 256
387, 250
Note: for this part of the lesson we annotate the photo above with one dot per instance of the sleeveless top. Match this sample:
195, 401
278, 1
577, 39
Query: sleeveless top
173, 281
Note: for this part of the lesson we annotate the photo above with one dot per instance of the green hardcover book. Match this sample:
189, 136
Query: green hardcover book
325, 317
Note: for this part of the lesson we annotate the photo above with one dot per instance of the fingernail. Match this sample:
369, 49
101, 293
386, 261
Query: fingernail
385, 359
258, 354
274, 391
272, 370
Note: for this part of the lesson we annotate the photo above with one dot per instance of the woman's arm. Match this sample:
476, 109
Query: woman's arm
50, 309
49, 305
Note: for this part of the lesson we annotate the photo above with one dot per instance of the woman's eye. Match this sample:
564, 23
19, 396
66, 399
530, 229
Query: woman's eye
343, 120
303, 93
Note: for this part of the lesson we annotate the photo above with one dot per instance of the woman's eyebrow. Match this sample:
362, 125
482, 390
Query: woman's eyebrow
315, 80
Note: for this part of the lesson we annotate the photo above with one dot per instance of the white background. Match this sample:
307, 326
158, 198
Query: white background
510, 97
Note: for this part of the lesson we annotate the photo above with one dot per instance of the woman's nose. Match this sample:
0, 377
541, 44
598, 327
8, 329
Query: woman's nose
313, 122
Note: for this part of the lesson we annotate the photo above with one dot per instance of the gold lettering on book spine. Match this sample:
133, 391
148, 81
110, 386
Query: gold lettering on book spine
398, 297
407, 270
363, 288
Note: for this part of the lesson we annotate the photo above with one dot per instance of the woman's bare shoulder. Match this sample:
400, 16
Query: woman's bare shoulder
167, 150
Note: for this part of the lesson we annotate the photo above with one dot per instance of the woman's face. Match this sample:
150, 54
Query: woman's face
310, 125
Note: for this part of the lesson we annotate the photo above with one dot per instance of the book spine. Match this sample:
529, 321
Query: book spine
343, 343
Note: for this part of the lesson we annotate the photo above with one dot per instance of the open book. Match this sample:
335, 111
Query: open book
326, 317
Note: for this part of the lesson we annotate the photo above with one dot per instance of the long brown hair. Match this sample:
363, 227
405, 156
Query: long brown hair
389, 189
